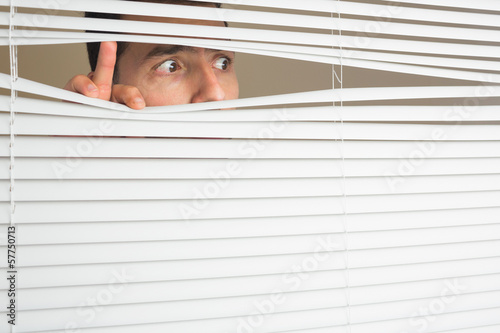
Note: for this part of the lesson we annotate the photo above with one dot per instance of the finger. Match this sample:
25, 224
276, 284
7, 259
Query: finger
82, 85
128, 95
103, 74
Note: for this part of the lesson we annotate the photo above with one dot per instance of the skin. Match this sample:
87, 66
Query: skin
156, 74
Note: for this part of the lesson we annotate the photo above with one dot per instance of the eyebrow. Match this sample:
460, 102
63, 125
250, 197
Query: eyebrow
163, 50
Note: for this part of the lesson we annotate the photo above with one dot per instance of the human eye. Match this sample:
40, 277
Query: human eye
222, 63
168, 66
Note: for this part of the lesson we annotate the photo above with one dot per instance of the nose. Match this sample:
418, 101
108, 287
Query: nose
206, 85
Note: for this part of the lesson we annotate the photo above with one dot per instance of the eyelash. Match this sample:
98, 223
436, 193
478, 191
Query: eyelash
229, 59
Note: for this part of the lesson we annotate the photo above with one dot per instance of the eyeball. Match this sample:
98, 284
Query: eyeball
222, 63
169, 66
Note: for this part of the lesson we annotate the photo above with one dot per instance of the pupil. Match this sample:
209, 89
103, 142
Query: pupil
224, 64
173, 67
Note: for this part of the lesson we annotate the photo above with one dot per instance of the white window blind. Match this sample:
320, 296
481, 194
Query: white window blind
379, 213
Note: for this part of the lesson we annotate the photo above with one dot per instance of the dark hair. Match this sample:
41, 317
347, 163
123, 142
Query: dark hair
93, 48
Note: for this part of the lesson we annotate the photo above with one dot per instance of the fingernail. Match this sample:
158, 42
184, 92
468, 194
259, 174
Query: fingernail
93, 91
139, 102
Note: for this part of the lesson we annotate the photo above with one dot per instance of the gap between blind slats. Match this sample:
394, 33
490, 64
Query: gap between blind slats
346, 95
129, 26
241, 16
377, 65
322, 55
347, 42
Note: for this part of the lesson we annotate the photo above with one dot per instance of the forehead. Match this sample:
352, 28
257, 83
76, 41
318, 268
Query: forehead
142, 49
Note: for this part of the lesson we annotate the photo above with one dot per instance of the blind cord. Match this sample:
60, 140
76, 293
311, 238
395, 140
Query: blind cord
335, 77
13, 97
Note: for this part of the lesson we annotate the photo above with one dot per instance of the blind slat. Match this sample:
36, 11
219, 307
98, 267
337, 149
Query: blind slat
307, 301
75, 147
204, 249
50, 298
107, 168
252, 188
163, 311
67, 126
30, 212
64, 233
371, 113
279, 322
221, 268
443, 321
491, 5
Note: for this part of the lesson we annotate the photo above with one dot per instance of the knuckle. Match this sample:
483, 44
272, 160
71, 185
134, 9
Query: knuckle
125, 94
131, 90
77, 83
127, 91
79, 78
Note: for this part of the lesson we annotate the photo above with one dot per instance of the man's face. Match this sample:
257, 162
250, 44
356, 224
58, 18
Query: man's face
173, 74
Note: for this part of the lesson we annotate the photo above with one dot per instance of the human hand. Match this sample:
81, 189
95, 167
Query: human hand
99, 84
